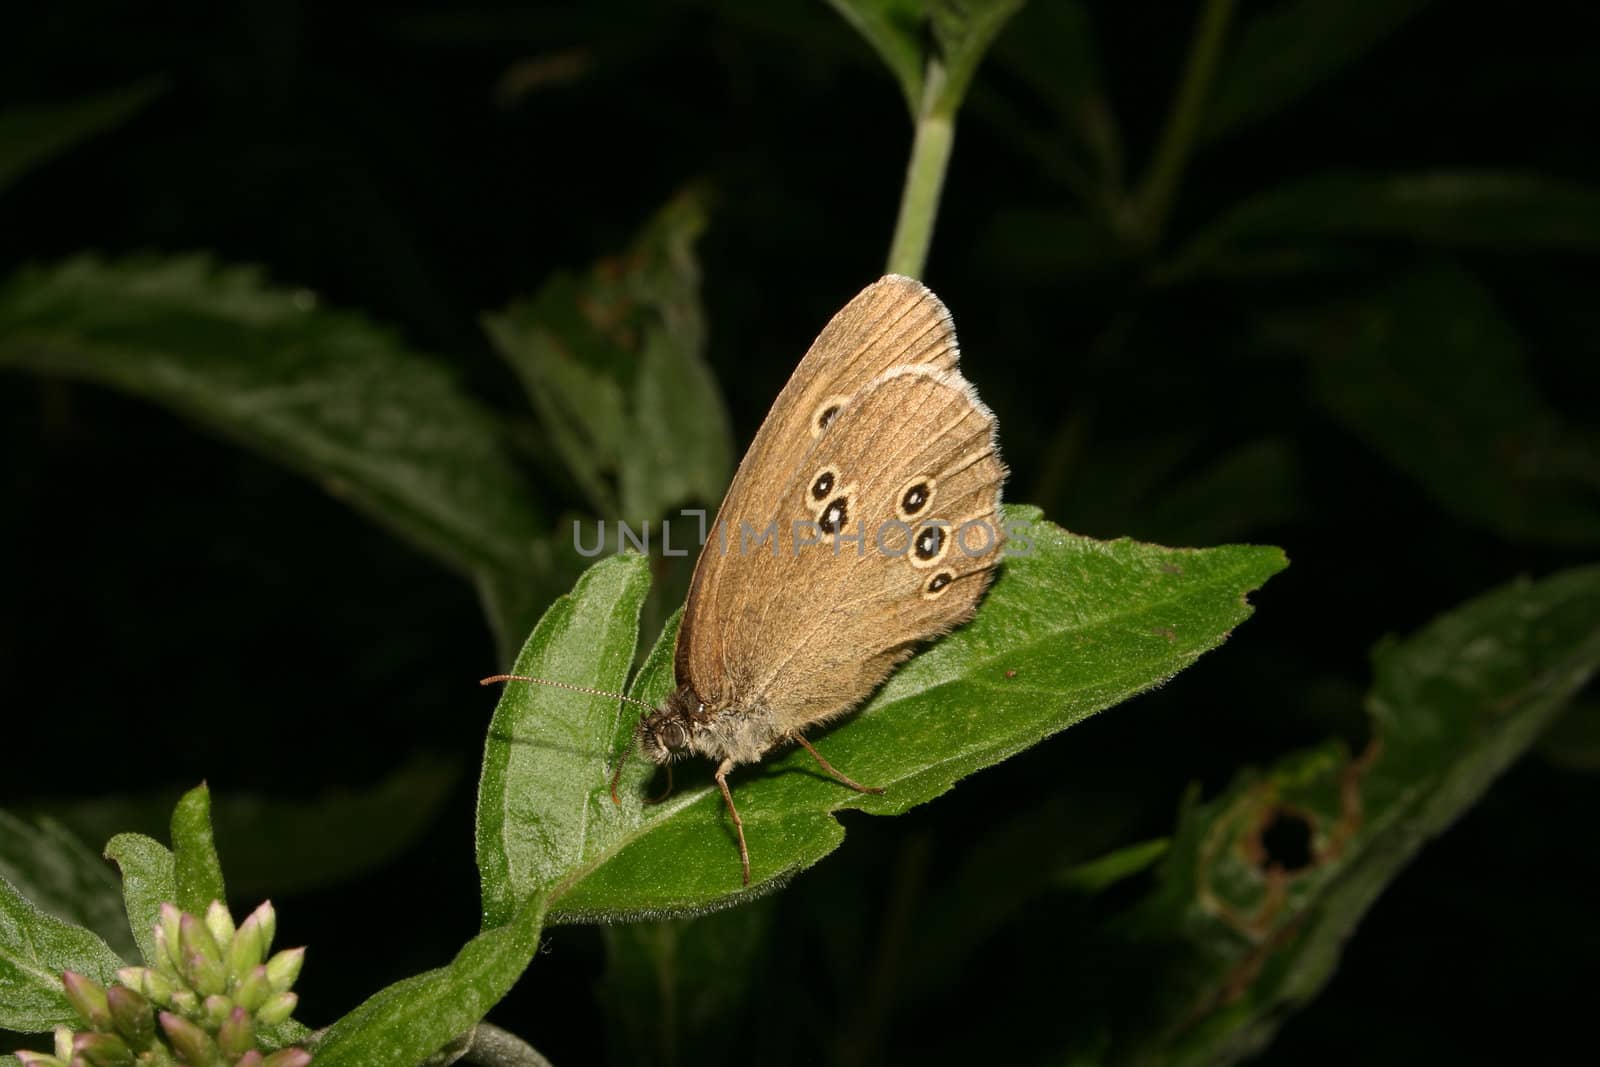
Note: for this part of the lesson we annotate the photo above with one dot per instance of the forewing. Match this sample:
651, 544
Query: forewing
811, 629
894, 321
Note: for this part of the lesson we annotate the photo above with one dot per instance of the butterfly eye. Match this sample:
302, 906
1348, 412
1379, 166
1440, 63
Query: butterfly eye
937, 584
836, 515
823, 484
672, 737
915, 496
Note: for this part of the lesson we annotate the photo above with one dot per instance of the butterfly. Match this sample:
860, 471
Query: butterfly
863, 521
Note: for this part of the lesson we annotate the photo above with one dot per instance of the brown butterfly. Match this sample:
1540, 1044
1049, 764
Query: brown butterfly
864, 520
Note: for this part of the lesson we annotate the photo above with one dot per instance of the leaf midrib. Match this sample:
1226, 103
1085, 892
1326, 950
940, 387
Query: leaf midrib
32, 964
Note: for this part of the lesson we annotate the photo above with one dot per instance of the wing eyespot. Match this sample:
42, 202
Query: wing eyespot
930, 544
915, 497
823, 484
825, 414
835, 516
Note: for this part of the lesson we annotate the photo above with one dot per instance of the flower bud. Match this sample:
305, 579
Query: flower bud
247, 949
153, 984
278, 1007
284, 968
237, 1035
185, 1002
157, 1055
133, 1017
216, 1009
219, 922
191, 1042
102, 1050
253, 989
169, 954
88, 999
202, 957
269, 924
288, 1057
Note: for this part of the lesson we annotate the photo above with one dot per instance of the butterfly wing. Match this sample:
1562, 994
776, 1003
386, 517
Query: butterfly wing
846, 611
893, 321
900, 488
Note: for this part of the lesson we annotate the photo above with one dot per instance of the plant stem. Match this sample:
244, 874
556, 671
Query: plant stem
1154, 200
930, 157
493, 1047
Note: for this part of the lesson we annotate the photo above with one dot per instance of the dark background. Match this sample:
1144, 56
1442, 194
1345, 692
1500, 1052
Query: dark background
178, 609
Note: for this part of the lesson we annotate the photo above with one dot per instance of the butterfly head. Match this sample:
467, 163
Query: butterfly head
669, 733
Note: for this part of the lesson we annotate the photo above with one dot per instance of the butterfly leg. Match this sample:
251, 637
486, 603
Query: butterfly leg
665, 793
825, 765
738, 823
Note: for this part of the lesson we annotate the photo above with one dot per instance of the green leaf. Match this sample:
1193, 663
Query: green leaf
281, 1035
282, 844
1097, 875
960, 30
324, 392
543, 806
963, 31
411, 1019
196, 869
1287, 50
35, 947
674, 990
149, 879
1072, 627
614, 364
30, 136
575, 381
1447, 209
1432, 376
1264, 885
894, 28
50, 866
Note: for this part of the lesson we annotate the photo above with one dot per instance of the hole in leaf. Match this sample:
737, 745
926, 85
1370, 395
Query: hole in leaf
1286, 841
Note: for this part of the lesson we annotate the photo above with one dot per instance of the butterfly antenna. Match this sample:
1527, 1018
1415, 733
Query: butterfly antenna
493, 678
616, 777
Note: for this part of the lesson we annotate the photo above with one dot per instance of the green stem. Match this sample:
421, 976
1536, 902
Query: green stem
930, 158
491, 1046
1155, 197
